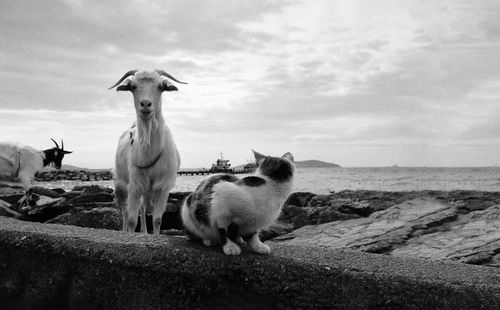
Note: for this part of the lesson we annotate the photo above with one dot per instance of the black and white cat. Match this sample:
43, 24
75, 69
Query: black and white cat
224, 208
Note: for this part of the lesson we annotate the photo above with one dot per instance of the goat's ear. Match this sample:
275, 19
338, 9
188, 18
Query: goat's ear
168, 87
67, 152
125, 87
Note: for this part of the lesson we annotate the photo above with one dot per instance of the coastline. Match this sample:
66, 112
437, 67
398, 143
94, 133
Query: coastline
441, 225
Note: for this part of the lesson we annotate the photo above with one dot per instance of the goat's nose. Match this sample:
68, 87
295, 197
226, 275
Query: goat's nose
146, 103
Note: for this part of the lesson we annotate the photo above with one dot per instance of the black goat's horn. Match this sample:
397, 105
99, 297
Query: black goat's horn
57, 145
161, 72
126, 75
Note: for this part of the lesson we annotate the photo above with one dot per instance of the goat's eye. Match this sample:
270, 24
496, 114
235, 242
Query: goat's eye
133, 87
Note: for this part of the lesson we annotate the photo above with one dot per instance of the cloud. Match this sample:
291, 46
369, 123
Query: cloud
333, 74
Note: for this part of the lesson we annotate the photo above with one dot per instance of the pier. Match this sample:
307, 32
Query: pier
199, 171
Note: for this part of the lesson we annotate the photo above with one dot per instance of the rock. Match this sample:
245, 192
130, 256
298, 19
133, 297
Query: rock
361, 208
45, 209
474, 239
297, 216
92, 189
277, 229
6, 211
299, 199
12, 198
58, 190
102, 218
11, 192
91, 197
42, 191
379, 232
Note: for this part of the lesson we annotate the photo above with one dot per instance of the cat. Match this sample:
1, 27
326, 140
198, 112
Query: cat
225, 209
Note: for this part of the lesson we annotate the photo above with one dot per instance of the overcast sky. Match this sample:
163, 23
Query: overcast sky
358, 83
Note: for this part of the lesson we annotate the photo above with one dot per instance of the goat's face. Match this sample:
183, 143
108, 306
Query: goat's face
55, 155
147, 87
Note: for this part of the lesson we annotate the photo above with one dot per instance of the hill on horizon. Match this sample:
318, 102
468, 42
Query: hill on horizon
312, 163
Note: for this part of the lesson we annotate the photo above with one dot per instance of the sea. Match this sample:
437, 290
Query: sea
327, 180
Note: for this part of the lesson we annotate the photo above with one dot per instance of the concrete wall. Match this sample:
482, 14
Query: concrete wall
44, 266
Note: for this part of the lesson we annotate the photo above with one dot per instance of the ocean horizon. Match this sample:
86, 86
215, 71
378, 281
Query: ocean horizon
326, 180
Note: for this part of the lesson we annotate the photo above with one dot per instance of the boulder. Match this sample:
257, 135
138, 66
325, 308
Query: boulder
45, 209
5, 210
474, 238
299, 199
11, 192
102, 218
42, 191
275, 230
379, 232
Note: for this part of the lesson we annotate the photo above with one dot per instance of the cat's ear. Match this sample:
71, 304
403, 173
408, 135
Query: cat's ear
288, 156
258, 157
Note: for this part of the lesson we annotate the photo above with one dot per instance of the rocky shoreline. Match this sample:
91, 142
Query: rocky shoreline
74, 175
461, 226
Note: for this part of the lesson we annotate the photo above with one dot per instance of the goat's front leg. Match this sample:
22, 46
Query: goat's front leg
158, 200
144, 208
133, 206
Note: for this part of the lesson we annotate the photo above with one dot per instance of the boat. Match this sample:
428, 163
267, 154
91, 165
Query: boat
221, 165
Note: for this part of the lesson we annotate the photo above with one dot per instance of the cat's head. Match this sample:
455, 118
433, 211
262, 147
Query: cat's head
279, 169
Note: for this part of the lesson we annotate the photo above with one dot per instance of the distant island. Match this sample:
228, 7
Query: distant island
315, 164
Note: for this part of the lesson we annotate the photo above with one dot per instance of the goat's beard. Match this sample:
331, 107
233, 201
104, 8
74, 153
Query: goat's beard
144, 129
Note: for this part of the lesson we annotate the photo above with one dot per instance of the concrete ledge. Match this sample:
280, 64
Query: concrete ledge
44, 266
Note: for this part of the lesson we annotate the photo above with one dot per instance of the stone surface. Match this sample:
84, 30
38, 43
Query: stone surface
275, 230
78, 175
45, 209
372, 221
475, 239
66, 267
6, 210
103, 218
42, 191
423, 227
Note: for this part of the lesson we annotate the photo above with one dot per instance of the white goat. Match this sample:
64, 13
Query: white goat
147, 159
22, 163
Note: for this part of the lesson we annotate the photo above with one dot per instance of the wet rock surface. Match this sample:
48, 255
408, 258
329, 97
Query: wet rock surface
461, 226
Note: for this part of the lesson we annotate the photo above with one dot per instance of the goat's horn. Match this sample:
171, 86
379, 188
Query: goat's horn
161, 72
126, 75
62, 144
57, 145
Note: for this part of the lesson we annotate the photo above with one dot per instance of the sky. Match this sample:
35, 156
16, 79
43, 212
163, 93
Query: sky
357, 83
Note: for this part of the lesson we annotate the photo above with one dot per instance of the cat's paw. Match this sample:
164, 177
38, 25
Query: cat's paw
261, 248
231, 248
208, 242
